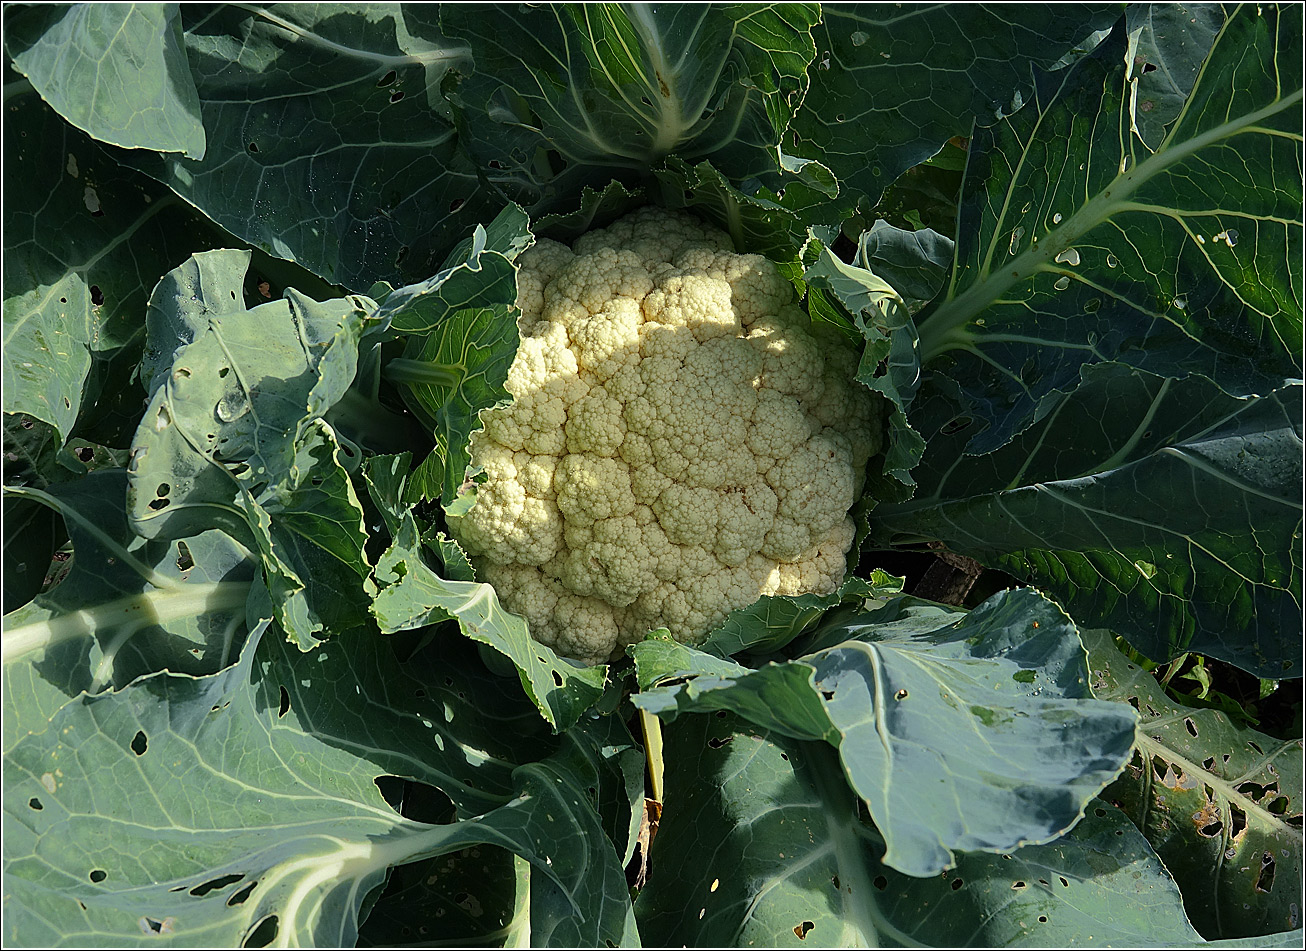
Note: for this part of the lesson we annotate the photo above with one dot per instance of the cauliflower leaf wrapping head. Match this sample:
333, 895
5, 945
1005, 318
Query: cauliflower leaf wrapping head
681, 440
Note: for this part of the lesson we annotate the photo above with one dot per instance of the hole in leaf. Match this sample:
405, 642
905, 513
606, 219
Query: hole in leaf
1277, 806
184, 559
222, 375
1255, 747
721, 714
253, 147
957, 883
35, 803
1064, 883
85, 453
1043, 918
388, 79
1149, 67
214, 884
717, 742
396, 95
163, 490
1238, 821
802, 928
1265, 877
285, 703
1099, 812
1209, 763
98, 875
158, 505
262, 934
97, 295
239, 897
456, 204
827, 694
956, 425
901, 694
880, 882
835, 882
419, 692
140, 743
1190, 726
1212, 830
557, 679
785, 757
1018, 885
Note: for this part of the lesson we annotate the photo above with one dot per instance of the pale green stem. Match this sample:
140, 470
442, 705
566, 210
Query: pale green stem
134, 611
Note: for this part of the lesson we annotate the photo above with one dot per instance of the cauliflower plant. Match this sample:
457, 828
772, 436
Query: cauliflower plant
682, 440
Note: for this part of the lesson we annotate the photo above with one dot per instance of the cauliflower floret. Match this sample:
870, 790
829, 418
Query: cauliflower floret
681, 441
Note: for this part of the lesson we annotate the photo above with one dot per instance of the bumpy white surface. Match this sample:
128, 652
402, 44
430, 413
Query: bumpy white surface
681, 441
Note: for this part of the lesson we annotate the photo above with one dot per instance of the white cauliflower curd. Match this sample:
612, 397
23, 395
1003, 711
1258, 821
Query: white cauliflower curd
682, 440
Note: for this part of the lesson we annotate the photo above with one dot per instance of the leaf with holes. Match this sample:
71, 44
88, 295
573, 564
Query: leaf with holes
1078, 244
74, 294
791, 863
948, 732
128, 607
1221, 804
293, 833
233, 436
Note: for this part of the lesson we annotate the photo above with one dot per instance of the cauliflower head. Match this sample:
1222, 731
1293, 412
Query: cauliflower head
682, 440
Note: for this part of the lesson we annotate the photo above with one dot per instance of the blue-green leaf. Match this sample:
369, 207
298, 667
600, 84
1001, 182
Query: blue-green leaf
1164, 509
786, 862
127, 606
106, 841
116, 71
1078, 244
233, 436
1221, 804
970, 63
949, 733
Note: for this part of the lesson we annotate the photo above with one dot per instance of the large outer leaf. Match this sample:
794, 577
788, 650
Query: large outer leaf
1221, 804
116, 71
106, 841
891, 84
128, 606
329, 142
785, 861
978, 734
85, 240
233, 437
1077, 245
606, 87
1164, 508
